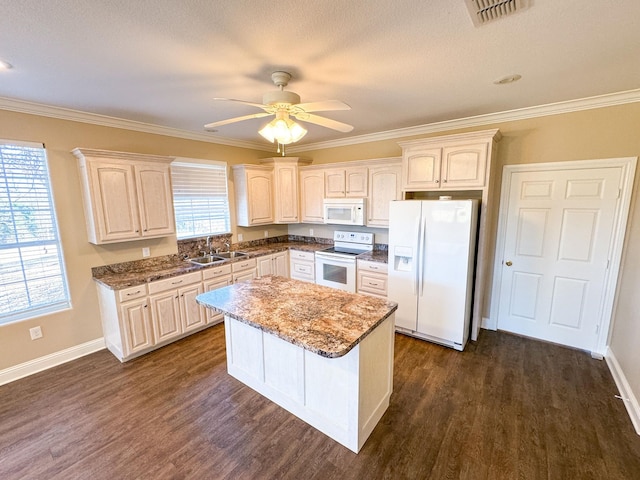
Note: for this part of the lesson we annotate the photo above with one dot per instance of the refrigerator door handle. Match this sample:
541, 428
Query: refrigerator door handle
421, 255
416, 257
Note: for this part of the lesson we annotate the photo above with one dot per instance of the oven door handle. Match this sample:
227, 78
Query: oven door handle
329, 257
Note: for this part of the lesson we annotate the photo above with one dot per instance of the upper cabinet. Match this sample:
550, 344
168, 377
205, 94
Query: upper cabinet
126, 196
385, 185
453, 162
311, 195
285, 187
254, 194
345, 182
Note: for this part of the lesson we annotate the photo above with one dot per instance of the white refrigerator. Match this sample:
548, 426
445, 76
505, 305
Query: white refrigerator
432, 247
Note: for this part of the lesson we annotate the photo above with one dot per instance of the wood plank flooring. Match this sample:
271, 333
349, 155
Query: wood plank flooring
505, 408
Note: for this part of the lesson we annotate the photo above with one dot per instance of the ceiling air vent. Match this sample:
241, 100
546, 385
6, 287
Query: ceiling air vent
485, 11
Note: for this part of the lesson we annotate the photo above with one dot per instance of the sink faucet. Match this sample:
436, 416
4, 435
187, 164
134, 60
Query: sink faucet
228, 245
209, 246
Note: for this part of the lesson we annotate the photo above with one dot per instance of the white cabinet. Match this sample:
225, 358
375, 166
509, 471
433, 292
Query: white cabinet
174, 310
345, 182
253, 186
126, 196
311, 196
446, 163
274, 264
213, 278
385, 185
302, 265
244, 270
372, 278
135, 325
285, 190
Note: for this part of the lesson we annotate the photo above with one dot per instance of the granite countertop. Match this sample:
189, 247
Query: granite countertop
379, 256
323, 320
130, 274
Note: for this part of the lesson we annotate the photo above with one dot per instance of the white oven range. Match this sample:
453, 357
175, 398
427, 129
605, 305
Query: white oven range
336, 266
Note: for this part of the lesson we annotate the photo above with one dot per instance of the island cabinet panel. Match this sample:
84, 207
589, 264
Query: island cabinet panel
343, 397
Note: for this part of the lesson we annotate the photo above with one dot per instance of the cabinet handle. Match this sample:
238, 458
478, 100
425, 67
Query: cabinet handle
444, 181
373, 268
176, 296
134, 293
145, 306
437, 181
176, 283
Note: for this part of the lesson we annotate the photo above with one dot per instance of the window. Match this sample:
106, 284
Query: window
200, 198
32, 277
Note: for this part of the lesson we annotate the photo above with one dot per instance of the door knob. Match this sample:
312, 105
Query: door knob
508, 263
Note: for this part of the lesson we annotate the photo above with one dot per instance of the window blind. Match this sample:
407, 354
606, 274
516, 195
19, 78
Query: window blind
200, 199
32, 277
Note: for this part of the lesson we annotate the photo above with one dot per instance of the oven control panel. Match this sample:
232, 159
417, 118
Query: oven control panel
353, 237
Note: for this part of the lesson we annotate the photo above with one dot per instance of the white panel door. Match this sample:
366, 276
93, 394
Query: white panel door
559, 231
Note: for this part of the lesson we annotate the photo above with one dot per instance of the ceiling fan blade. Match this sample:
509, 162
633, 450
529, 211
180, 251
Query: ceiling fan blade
259, 105
324, 122
323, 106
209, 126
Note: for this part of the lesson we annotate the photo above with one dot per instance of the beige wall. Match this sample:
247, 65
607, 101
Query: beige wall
591, 134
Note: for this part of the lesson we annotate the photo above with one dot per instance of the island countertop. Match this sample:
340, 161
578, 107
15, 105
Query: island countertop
323, 320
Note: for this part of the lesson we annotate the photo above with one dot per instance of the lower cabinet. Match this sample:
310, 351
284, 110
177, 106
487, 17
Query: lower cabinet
274, 264
244, 270
137, 333
213, 278
302, 265
372, 278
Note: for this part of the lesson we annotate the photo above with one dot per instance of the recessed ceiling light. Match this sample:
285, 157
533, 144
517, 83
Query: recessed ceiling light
508, 79
5, 65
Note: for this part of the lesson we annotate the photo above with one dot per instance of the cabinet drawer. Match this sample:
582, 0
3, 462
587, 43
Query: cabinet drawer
132, 293
303, 271
244, 265
174, 282
214, 272
372, 283
301, 255
376, 267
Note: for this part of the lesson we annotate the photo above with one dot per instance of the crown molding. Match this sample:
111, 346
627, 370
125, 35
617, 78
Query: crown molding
60, 113
600, 101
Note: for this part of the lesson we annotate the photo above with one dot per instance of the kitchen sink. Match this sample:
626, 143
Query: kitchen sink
231, 254
207, 259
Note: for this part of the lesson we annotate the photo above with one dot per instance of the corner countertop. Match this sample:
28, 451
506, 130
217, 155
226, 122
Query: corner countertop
139, 272
322, 320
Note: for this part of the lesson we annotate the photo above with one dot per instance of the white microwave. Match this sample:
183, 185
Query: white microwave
344, 211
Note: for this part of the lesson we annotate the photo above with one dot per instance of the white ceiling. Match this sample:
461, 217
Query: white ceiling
398, 64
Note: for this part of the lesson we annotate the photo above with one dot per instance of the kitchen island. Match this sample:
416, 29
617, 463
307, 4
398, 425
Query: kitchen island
323, 354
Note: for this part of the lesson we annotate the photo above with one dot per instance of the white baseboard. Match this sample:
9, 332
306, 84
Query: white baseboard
43, 363
629, 399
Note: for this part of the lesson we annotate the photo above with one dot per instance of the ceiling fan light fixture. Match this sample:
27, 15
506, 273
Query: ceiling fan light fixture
283, 130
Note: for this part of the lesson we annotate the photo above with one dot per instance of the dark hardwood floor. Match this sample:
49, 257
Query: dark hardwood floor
505, 408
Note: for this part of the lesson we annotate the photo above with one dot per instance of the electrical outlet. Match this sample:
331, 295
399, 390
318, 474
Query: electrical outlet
240, 237
266, 233
145, 252
35, 332
311, 232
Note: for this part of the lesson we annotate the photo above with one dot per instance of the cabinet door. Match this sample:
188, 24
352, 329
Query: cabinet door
244, 275
191, 314
265, 265
155, 200
385, 185
165, 314
136, 327
334, 183
286, 188
421, 168
356, 182
280, 264
311, 196
464, 165
211, 315
114, 201
260, 193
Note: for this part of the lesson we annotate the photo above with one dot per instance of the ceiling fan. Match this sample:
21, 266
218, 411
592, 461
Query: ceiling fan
284, 104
